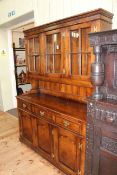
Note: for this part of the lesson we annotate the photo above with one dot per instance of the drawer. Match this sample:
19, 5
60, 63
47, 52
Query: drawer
24, 105
69, 125
43, 113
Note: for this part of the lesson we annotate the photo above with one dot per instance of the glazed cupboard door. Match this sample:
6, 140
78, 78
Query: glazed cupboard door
44, 136
79, 51
68, 151
54, 52
33, 54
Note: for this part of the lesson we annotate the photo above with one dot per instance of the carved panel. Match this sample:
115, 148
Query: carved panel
108, 116
109, 144
103, 38
89, 138
115, 73
97, 114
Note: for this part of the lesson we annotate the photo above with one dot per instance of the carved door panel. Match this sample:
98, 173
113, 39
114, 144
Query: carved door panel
69, 152
105, 152
108, 164
44, 137
26, 126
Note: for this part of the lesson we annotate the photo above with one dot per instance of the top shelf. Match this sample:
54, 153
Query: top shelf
19, 49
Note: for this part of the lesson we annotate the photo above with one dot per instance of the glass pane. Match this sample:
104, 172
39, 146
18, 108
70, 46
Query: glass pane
57, 63
86, 63
85, 39
50, 63
86, 56
75, 55
30, 46
36, 45
57, 43
30, 52
36, 54
57, 53
75, 64
74, 41
49, 44
37, 63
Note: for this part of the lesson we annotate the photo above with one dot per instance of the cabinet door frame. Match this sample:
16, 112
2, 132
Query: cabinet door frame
33, 55
78, 151
53, 74
22, 133
44, 152
102, 138
69, 29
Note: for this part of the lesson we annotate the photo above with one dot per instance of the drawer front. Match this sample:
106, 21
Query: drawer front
43, 113
70, 125
24, 105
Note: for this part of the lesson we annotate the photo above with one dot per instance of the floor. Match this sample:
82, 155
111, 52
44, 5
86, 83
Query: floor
15, 157
13, 112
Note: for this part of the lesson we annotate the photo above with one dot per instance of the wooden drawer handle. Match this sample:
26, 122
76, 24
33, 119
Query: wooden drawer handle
42, 113
24, 105
66, 123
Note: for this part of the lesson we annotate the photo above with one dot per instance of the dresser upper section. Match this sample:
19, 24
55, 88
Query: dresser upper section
59, 56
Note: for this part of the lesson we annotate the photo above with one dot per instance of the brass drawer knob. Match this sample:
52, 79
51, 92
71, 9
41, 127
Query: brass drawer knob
66, 123
42, 113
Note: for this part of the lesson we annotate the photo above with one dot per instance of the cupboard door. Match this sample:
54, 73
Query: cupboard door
26, 126
33, 54
69, 154
53, 52
44, 137
80, 51
108, 164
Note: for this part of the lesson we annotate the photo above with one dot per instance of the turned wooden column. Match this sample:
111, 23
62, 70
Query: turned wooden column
97, 73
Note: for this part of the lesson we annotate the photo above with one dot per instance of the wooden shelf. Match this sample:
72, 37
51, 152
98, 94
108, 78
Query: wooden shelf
19, 49
20, 65
22, 83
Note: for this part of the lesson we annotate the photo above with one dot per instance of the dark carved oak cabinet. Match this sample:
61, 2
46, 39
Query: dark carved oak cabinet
52, 117
101, 139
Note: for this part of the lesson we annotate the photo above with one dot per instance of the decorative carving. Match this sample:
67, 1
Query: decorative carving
103, 38
111, 96
112, 48
115, 73
107, 116
102, 114
109, 144
89, 138
91, 111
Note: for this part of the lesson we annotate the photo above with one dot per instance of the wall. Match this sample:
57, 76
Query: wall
20, 7
23, 13
1, 101
114, 7
50, 10
5, 78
